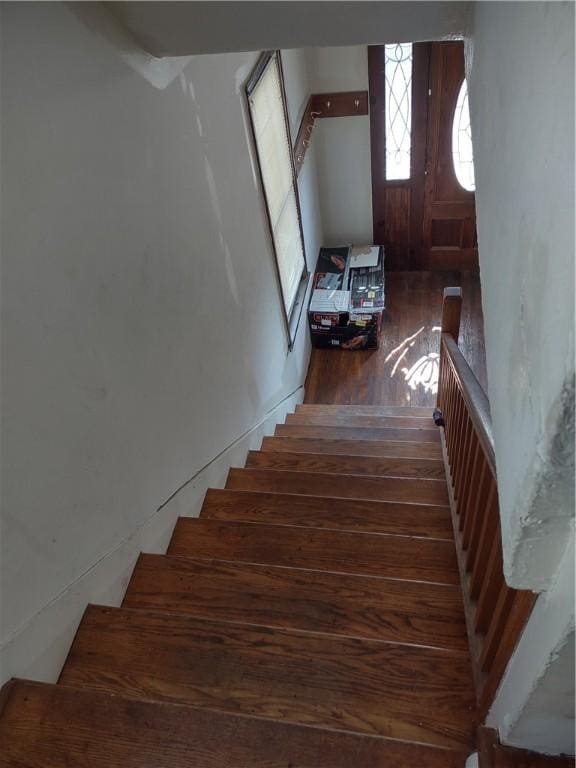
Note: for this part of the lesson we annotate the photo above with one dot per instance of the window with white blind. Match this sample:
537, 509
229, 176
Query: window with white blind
271, 131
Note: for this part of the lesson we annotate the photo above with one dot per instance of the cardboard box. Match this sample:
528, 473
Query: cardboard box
348, 299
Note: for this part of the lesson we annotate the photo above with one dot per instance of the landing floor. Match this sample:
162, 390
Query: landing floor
404, 370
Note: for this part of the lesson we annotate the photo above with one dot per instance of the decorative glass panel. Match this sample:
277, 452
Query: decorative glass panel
398, 107
462, 142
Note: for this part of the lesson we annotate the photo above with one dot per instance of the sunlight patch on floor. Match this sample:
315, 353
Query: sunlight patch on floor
421, 374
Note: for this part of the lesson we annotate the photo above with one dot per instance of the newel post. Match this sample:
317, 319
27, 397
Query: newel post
451, 312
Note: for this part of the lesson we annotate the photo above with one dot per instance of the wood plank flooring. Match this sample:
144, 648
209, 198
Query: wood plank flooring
402, 371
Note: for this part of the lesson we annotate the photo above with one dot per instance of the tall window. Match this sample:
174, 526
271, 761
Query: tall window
270, 126
462, 154
398, 109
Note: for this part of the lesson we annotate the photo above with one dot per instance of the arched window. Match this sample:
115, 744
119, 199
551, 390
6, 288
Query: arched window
462, 141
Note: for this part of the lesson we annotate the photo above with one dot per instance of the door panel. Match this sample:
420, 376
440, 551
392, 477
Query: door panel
397, 205
449, 226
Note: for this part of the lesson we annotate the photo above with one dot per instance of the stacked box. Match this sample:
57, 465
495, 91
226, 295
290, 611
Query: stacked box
348, 300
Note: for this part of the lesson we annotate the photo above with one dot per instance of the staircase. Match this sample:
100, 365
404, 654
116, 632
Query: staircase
311, 616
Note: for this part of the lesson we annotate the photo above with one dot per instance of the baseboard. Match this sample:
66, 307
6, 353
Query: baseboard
39, 649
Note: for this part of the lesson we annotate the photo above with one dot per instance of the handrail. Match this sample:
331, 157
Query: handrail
474, 396
495, 613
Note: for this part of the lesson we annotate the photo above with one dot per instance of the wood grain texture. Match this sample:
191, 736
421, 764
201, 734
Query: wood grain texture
474, 397
304, 137
340, 104
354, 433
367, 410
51, 726
410, 329
449, 227
398, 691
353, 606
414, 491
430, 469
317, 512
392, 449
406, 429
337, 419
399, 557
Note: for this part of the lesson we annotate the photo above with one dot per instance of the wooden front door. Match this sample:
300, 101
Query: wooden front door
425, 220
449, 224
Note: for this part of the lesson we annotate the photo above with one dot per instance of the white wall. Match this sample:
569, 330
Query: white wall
172, 29
520, 63
522, 109
143, 347
343, 147
298, 90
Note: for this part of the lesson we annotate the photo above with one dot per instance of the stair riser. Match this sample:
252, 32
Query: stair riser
339, 485
350, 465
394, 557
390, 610
378, 422
318, 512
420, 436
390, 449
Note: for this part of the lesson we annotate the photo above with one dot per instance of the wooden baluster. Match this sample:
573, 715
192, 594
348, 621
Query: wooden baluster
465, 459
452, 407
458, 446
451, 312
442, 398
455, 431
479, 559
465, 502
473, 523
491, 585
496, 626
471, 479
446, 379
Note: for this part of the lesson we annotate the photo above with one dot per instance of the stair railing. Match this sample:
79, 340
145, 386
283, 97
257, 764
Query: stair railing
495, 613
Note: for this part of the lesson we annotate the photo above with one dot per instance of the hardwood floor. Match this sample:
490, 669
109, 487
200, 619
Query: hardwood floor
402, 370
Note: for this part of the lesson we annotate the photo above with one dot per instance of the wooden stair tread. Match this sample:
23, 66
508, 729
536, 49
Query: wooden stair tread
318, 512
414, 491
420, 412
421, 436
407, 429
44, 726
424, 426
431, 469
390, 448
353, 606
398, 691
316, 549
